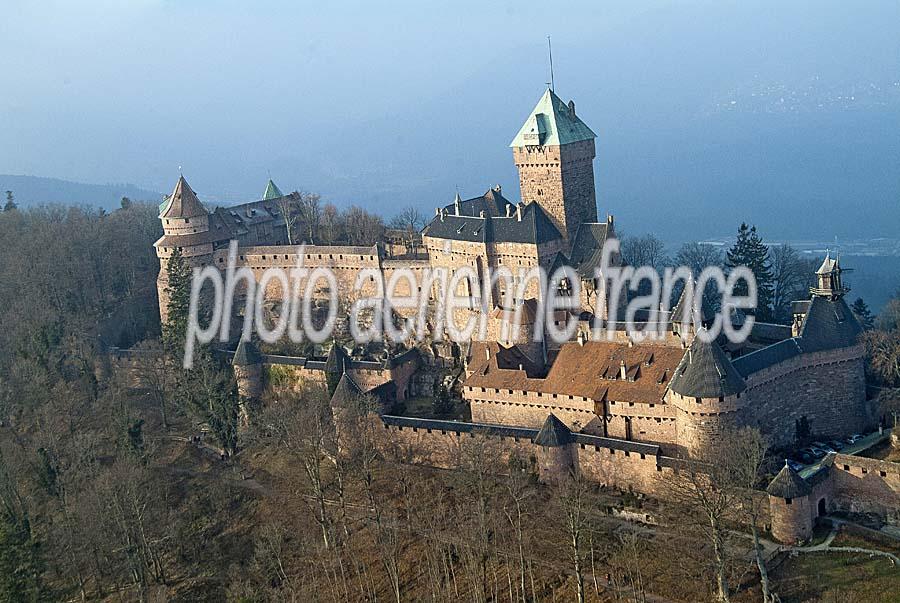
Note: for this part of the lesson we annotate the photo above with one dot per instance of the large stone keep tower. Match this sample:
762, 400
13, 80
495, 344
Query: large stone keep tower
554, 153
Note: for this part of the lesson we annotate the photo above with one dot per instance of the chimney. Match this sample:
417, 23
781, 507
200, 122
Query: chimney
622, 370
572, 107
609, 219
520, 367
437, 211
456, 203
442, 214
519, 212
509, 209
581, 338
481, 214
487, 352
498, 188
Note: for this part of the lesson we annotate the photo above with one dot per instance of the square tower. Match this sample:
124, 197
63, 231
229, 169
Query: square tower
554, 153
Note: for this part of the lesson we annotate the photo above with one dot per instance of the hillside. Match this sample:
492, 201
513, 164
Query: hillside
34, 190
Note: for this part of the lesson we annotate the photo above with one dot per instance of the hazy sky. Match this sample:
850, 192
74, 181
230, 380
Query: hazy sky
394, 103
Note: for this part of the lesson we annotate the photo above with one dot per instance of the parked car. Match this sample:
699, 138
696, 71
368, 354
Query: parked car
794, 465
855, 438
837, 445
817, 452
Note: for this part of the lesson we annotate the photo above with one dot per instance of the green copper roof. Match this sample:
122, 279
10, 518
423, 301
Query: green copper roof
552, 122
272, 191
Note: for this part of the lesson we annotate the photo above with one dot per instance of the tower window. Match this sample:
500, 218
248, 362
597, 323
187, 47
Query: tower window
788, 501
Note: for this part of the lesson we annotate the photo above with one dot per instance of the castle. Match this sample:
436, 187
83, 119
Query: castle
646, 403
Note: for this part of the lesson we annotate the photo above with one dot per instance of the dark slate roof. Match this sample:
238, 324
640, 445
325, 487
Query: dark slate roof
246, 354
587, 247
705, 372
829, 324
345, 391
558, 262
535, 227
767, 356
706, 311
769, 332
237, 218
553, 433
460, 426
800, 307
788, 484
338, 360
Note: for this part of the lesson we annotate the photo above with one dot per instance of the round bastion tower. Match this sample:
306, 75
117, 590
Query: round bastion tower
185, 225
706, 392
790, 507
555, 454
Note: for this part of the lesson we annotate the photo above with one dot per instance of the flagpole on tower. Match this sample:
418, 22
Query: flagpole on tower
550, 51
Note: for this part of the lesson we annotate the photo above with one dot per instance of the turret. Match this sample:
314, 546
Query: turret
336, 365
789, 507
185, 225
247, 366
829, 283
555, 450
706, 392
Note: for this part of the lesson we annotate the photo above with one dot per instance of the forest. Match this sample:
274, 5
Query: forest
114, 493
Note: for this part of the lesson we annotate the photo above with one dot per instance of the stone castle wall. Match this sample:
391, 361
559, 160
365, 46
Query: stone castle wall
827, 387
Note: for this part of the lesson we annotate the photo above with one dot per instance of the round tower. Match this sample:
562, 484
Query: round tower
185, 225
247, 366
336, 365
706, 392
555, 450
789, 507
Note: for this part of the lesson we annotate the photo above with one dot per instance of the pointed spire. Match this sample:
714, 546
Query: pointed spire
706, 372
272, 191
246, 354
553, 433
183, 202
552, 122
788, 484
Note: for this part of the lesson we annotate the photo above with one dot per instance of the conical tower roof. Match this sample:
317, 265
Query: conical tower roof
272, 191
553, 433
346, 391
338, 360
705, 372
552, 122
246, 354
183, 202
788, 484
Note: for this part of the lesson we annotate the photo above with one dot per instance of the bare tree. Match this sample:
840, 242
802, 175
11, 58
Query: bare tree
699, 496
791, 275
289, 207
745, 461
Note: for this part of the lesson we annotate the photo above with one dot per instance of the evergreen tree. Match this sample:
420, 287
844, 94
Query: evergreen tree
861, 310
10, 202
21, 561
750, 251
125, 203
178, 288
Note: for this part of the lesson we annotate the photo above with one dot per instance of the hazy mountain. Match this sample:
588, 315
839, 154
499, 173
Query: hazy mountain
32, 190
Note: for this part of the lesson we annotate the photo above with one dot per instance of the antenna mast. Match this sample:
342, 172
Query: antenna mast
550, 51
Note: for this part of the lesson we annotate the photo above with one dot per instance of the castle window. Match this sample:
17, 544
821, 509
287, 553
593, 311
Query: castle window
865, 471
697, 400
788, 501
846, 467
882, 473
